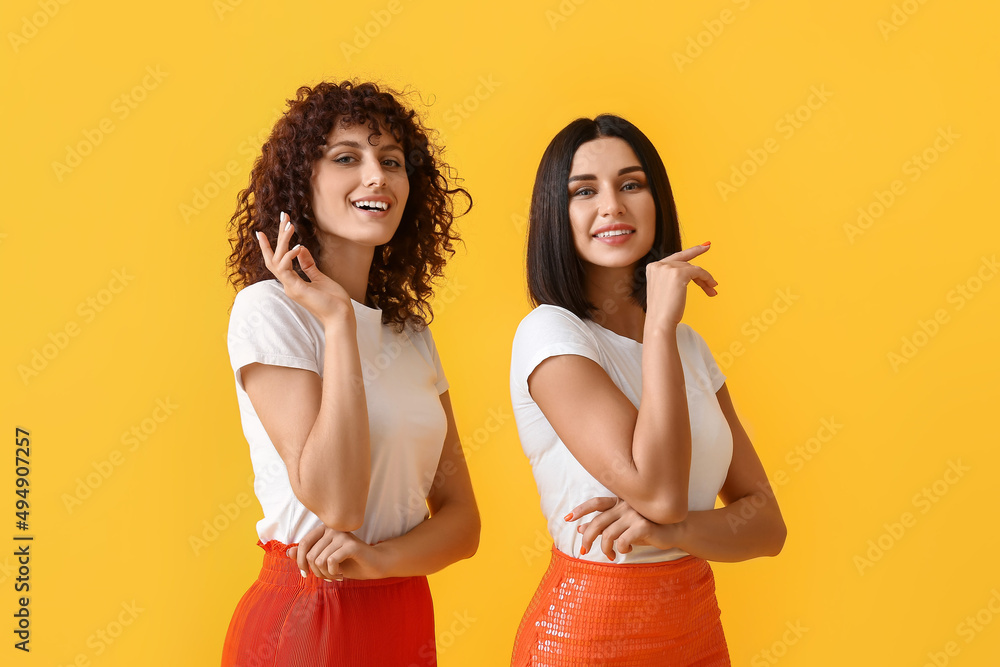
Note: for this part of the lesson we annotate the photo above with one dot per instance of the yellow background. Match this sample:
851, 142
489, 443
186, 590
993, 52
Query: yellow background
502, 79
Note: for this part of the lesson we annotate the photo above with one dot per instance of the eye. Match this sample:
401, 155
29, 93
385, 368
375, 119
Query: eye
632, 185
344, 159
391, 162
584, 191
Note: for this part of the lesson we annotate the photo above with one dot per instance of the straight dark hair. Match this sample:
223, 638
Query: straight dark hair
555, 272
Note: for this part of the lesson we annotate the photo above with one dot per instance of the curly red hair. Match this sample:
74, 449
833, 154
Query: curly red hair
404, 269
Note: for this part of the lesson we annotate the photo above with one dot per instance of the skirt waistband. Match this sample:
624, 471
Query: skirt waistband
281, 570
679, 567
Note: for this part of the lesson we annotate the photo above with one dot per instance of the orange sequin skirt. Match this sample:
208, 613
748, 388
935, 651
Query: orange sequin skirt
586, 613
289, 621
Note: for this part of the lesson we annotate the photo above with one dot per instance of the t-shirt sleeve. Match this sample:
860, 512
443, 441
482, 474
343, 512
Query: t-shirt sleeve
440, 381
548, 331
715, 375
265, 328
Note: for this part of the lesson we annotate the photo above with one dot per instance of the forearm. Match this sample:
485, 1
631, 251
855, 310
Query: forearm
451, 535
334, 467
746, 528
661, 443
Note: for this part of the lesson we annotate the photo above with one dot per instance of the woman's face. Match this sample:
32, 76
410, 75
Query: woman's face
359, 189
611, 208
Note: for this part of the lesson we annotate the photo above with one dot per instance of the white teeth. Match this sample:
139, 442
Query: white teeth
617, 232
381, 205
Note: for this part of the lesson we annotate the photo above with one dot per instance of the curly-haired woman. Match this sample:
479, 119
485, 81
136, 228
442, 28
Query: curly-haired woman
342, 396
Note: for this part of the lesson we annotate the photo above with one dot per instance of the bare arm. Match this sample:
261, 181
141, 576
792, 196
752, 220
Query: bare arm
449, 535
452, 531
749, 526
320, 427
643, 456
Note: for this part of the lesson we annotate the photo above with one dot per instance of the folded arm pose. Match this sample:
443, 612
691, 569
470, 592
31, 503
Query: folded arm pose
621, 410
358, 468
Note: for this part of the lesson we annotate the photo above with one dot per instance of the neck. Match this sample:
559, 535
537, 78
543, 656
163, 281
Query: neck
610, 289
347, 264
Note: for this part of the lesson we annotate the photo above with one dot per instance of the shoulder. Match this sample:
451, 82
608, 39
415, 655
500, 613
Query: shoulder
549, 331
264, 305
547, 320
420, 337
267, 298
264, 292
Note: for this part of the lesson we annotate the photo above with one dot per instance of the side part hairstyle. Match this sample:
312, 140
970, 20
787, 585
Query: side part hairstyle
403, 270
555, 272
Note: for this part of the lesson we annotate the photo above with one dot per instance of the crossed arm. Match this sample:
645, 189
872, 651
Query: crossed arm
750, 525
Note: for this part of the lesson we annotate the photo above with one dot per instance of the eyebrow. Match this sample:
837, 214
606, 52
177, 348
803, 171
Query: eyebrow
354, 144
591, 177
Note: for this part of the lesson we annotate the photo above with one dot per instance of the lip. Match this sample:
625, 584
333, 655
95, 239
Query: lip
379, 198
614, 240
613, 227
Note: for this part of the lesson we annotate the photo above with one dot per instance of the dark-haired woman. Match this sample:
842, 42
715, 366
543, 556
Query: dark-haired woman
344, 403
626, 418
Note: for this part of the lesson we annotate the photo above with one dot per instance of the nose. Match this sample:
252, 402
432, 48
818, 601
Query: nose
609, 204
373, 174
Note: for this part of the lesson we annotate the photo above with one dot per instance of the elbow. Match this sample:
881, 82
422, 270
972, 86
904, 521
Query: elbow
472, 531
778, 540
335, 512
337, 519
667, 509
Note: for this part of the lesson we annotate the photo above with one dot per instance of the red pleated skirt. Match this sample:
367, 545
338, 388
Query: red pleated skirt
285, 620
655, 614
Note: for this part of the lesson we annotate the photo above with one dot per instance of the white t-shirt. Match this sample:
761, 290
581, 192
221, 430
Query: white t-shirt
562, 482
403, 379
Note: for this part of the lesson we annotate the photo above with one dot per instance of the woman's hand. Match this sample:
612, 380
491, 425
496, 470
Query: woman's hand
332, 554
620, 527
323, 297
666, 284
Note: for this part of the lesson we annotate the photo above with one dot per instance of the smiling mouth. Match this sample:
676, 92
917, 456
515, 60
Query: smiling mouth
366, 205
614, 232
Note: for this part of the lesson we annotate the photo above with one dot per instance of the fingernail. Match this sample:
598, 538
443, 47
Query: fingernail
297, 246
283, 217
707, 243
303, 573
568, 517
583, 550
288, 225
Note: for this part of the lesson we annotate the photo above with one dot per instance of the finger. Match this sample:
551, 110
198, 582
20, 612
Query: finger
600, 504
265, 250
708, 288
633, 533
597, 526
688, 253
305, 544
336, 560
324, 562
703, 279
314, 553
307, 263
285, 231
610, 534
